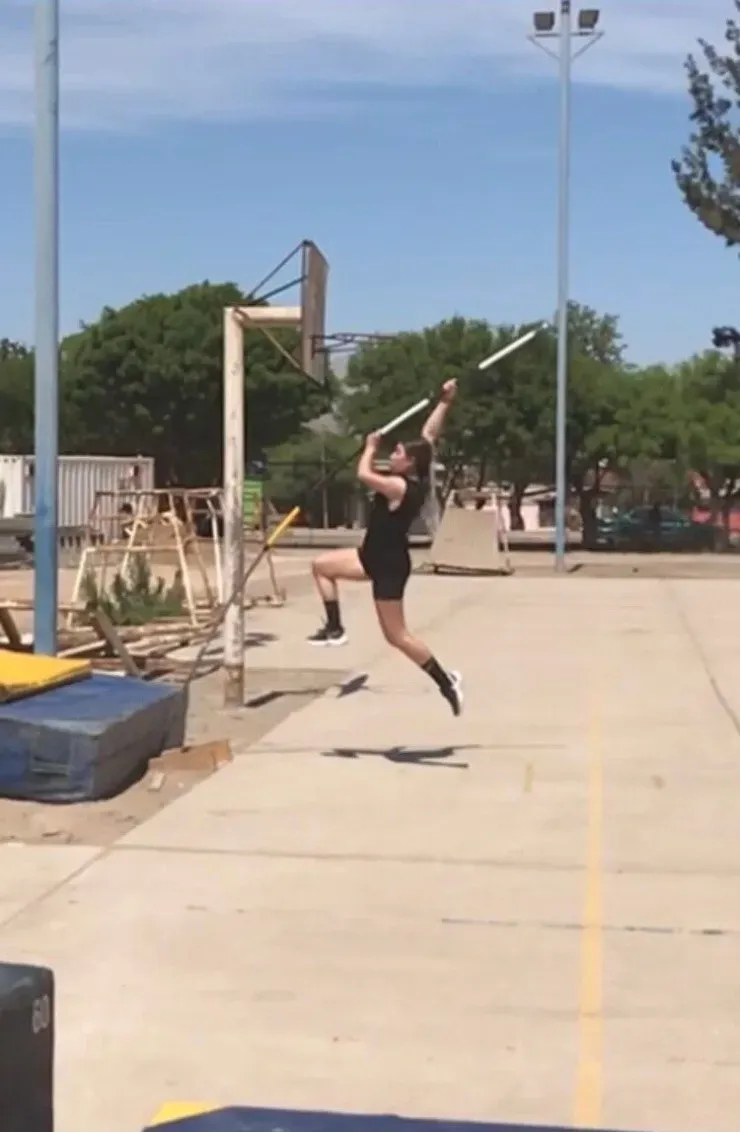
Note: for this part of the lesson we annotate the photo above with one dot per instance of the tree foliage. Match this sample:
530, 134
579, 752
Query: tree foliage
135, 597
386, 377
148, 378
593, 335
297, 466
16, 398
708, 171
710, 403
505, 417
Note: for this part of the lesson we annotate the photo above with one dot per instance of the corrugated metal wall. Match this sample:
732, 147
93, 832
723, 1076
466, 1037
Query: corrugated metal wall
80, 477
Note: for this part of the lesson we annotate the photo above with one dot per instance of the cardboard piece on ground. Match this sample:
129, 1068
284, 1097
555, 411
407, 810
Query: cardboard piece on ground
202, 756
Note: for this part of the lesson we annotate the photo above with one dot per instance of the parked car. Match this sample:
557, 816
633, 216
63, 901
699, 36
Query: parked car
653, 528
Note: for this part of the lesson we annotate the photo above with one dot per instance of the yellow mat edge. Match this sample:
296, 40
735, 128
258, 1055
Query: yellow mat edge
23, 675
179, 1110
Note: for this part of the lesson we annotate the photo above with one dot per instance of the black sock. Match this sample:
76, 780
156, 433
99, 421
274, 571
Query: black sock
441, 678
333, 618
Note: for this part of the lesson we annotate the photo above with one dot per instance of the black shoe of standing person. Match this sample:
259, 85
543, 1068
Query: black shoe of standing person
326, 637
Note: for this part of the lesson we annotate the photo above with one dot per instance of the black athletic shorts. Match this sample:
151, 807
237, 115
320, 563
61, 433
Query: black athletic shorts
388, 575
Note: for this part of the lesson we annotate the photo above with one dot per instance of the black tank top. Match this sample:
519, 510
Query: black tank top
386, 537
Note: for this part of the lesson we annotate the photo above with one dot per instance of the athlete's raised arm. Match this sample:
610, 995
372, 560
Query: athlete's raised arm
393, 487
436, 419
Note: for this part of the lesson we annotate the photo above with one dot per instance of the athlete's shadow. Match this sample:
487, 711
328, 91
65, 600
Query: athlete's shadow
353, 685
415, 756
252, 640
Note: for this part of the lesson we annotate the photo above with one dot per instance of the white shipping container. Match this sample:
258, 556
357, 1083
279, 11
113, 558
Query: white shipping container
80, 478
11, 486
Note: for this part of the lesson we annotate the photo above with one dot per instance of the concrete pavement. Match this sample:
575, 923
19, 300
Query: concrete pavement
528, 914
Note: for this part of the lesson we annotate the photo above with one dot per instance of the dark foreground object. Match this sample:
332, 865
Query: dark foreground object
279, 1120
26, 1049
88, 740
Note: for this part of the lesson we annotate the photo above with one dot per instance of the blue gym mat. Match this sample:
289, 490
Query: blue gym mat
87, 740
279, 1120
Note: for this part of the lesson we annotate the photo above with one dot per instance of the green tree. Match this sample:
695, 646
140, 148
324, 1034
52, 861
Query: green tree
148, 379
384, 378
594, 335
9, 348
596, 401
708, 171
527, 428
651, 442
497, 422
295, 467
504, 421
514, 432
608, 425
622, 421
594, 394
709, 387
16, 398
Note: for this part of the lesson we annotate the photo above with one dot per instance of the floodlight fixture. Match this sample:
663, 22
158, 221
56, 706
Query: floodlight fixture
544, 22
588, 19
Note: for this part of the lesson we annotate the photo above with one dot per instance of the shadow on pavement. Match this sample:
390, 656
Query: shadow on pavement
416, 756
354, 684
347, 688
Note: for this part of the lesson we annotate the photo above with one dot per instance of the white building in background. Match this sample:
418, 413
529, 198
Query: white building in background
537, 509
80, 479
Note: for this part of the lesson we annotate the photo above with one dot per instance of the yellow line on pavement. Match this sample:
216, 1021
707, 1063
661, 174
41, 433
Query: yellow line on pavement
588, 1098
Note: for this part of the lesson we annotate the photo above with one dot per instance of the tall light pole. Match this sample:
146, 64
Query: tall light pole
559, 26
46, 358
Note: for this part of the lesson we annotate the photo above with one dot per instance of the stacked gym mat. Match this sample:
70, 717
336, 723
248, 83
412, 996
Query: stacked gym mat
278, 1120
68, 735
26, 1049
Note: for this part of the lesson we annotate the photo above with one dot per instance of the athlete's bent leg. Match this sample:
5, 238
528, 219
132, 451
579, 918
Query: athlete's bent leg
328, 569
393, 626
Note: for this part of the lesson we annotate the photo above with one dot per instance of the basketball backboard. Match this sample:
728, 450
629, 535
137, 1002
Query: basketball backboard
314, 279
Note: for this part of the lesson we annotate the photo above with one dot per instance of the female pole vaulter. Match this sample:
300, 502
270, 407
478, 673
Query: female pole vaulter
383, 559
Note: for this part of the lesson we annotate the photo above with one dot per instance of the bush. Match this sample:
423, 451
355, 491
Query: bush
135, 598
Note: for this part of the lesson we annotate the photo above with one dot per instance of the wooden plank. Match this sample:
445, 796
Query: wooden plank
88, 649
9, 627
100, 620
26, 605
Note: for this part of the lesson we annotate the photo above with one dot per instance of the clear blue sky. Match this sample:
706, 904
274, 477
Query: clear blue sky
414, 140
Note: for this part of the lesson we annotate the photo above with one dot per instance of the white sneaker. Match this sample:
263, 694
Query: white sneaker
457, 698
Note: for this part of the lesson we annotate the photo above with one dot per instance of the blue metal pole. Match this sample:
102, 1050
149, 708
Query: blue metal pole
46, 394
561, 478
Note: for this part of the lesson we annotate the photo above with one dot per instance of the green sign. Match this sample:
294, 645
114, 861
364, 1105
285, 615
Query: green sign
252, 501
